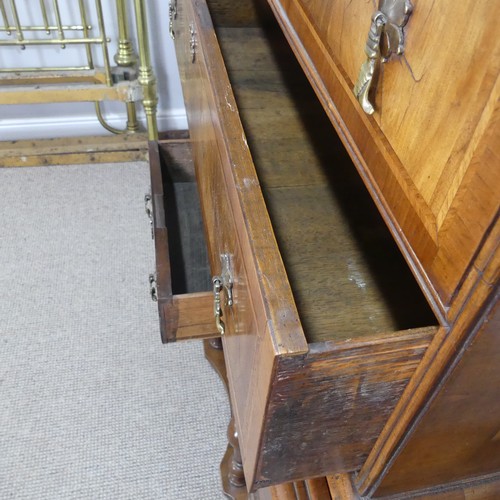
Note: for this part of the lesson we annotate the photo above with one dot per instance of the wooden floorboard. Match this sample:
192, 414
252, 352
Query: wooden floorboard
74, 150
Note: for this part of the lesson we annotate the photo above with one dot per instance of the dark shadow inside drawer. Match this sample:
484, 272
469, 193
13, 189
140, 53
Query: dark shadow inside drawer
348, 277
187, 248
182, 268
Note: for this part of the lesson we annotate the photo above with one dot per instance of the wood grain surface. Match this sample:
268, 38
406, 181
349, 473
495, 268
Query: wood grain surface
459, 436
327, 407
443, 352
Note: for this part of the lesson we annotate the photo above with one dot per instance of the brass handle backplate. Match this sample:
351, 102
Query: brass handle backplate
385, 38
217, 288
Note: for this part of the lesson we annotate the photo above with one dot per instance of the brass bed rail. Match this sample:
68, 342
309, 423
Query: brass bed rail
130, 80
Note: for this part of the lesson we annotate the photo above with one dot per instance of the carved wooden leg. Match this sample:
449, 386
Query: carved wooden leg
233, 480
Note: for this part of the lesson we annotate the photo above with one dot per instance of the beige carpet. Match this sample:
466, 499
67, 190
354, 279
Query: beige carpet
92, 405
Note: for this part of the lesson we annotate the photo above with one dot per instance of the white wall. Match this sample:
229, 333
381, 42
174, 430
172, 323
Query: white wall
71, 119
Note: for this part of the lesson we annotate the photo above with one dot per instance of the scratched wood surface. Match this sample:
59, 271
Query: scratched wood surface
327, 407
427, 153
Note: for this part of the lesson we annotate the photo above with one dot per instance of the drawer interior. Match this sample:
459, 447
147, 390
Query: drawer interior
182, 278
348, 277
189, 267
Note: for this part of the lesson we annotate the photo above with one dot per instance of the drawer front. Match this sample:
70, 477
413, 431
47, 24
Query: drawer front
428, 152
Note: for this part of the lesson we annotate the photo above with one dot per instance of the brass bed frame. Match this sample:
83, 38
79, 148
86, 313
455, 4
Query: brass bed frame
131, 80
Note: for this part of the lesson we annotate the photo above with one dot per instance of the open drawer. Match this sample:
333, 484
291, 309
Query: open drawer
323, 322
179, 285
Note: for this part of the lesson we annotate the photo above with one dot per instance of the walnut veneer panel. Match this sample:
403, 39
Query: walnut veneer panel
428, 153
459, 437
263, 321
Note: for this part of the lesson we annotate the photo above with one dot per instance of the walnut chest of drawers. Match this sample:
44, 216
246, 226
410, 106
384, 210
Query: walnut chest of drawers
352, 235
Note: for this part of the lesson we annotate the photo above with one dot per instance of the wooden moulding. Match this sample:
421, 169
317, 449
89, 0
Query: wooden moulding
182, 316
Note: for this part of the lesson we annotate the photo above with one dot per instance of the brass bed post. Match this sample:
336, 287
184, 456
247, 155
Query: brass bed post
126, 57
146, 76
130, 80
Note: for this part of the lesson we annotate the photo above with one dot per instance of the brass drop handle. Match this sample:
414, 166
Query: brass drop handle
217, 288
220, 283
148, 205
153, 287
385, 38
